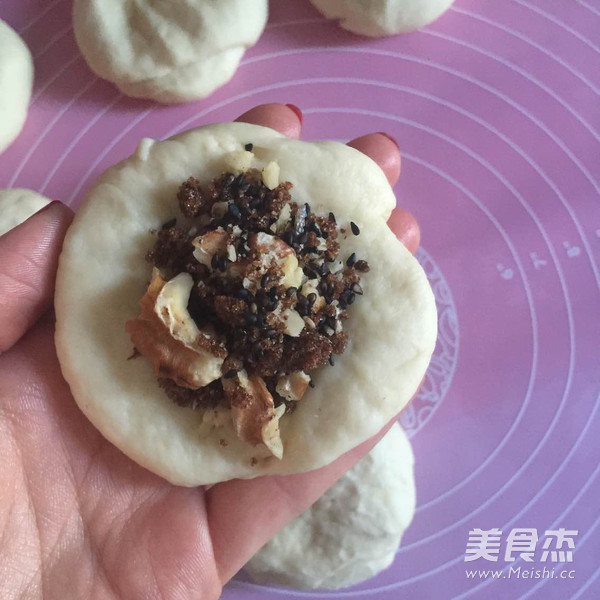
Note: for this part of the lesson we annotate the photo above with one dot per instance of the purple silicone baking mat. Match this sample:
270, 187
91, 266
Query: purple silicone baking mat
496, 108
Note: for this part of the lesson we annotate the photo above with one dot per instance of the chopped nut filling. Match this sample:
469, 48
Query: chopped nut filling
246, 299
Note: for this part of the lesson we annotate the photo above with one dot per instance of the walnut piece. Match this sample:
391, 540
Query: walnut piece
209, 244
292, 321
239, 161
270, 175
255, 418
166, 334
274, 252
292, 386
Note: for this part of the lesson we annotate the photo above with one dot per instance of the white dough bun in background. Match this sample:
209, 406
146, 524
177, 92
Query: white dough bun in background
167, 51
103, 275
353, 531
379, 18
17, 205
16, 82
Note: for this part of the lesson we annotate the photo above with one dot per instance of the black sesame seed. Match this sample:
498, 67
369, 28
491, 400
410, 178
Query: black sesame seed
351, 259
251, 319
311, 383
249, 147
288, 237
243, 293
264, 280
228, 179
272, 292
332, 217
350, 298
239, 180
311, 272
222, 264
355, 228
357, 289
231, 373
169, 224
291, 291
234, 211
312, 298
301, 239
315, 229
331, 322
331, 361
215, 261
324, 269
300, 221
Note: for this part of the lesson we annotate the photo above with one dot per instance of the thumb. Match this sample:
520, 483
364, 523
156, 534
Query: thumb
28, 262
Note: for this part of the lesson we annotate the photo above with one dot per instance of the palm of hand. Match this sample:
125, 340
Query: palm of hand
97, 523
77, 517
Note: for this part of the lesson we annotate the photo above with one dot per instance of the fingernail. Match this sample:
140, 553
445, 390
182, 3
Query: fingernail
48, 206
297, 112
389, 137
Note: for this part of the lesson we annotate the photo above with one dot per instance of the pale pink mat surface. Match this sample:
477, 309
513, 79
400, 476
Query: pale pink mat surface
496, 108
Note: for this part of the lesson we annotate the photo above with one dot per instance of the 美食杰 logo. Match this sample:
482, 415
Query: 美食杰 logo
555, 546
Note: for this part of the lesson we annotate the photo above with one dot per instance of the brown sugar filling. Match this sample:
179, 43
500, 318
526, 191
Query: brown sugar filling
270, 290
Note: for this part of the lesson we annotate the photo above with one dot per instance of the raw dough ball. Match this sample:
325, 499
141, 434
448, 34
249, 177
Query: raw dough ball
353, 531
168, 51
103, 275
17, 206
16, 82
379, 18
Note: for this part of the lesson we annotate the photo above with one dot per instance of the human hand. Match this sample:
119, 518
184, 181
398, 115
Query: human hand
77, 517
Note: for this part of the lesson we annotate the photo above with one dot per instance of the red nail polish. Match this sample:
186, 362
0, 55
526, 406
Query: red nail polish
389, 137
296, 111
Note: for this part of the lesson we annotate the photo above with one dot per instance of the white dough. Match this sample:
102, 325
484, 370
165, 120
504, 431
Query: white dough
378, 18
18, 205
102, 277
16, 81
353, 531
167, 51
